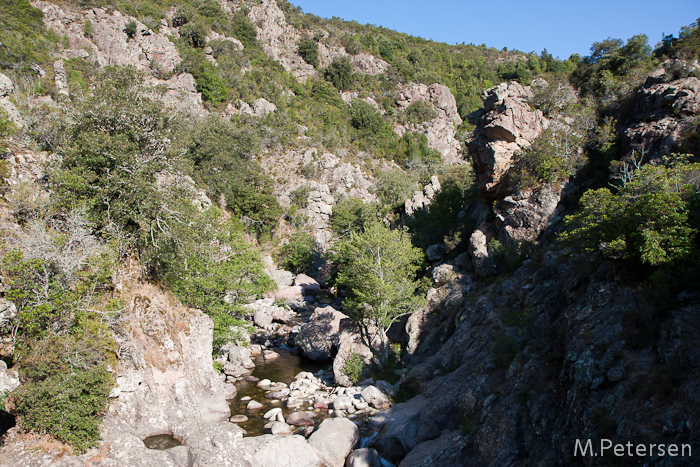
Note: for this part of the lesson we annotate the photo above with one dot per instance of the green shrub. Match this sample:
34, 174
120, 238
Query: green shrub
210, 9
308, 50
353, 367
365, 117
130, 29
298, 254
243, 29
87, 28
67, 405
646, 221
420, 111
339, 72
394, 187
195, 33
183, 15
352, 216
300, 196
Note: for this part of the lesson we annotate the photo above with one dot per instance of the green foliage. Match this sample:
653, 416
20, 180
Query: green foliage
394, 187
353, 367
339, 72
298, 254
324, 91
130, 29
205, 261
223, 159
243, 29
183, 15
24, 38
210, 9
87, 28
116, 145
420, 111
612, 69
646, 220
378, 269
195, 33
441, 222
308, 50
67, 404
300, 196
210, 84
685, 47
412, 151
352, 216
365, 117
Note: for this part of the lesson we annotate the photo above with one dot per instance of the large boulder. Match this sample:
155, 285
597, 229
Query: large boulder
281, 451
504, 127
334, 439
309, 285
318, 339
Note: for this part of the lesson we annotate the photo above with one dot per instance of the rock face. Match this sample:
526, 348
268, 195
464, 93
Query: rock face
318, 339
440, 131
422, 199
664, 112
147, 50
505, 126
279, 39
165, 384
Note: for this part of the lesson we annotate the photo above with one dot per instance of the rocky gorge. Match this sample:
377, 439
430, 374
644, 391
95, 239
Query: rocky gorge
523, 343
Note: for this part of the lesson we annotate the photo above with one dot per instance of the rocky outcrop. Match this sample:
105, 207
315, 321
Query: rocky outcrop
109, 45
318, 339
260, 108
7, 87
279, 39
422, 199
664, 112
327, 179
440, 131
505, 126
524, 215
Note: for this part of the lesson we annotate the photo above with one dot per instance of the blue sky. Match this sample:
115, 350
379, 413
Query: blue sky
562, 27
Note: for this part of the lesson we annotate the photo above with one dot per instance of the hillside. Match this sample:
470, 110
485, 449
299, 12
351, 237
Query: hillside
501, 242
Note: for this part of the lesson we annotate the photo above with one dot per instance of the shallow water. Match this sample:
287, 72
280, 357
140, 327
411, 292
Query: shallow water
282, 369
161, 442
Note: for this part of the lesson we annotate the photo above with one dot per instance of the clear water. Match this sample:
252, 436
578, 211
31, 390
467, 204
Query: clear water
282, 369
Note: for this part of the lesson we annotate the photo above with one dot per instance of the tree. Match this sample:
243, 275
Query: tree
378, 269
646, 221
339, 72
308, 50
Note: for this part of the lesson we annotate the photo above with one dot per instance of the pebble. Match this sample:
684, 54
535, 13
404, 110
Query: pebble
238, 419
272, 412
254, 405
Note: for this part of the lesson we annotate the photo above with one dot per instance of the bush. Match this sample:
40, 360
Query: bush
365, 117
298, 254
339, 72
353, 367
308, 50
130, 29
394, 187
195, 33
646, 220
419, 112
67, 405
243, 29
352, 216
